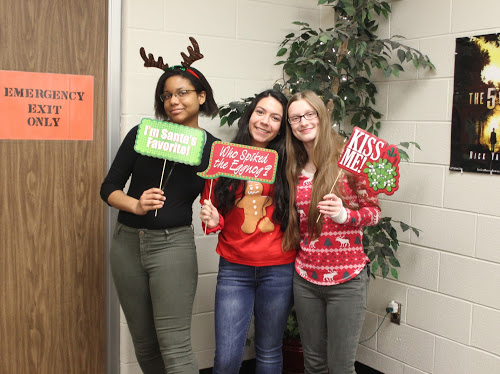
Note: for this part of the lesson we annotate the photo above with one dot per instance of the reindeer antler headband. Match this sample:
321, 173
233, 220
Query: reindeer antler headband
194, 55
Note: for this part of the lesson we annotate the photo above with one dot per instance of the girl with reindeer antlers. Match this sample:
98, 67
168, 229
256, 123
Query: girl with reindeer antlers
328, 209
153, 257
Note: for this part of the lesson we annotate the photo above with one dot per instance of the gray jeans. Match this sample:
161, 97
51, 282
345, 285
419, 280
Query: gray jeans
330, 321
155, 274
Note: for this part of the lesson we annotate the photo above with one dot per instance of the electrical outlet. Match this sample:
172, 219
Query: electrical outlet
396, 317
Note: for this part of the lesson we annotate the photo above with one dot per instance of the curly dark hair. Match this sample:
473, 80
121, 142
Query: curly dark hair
225, 188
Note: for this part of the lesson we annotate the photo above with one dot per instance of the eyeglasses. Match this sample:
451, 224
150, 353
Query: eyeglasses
308, 116
179, 94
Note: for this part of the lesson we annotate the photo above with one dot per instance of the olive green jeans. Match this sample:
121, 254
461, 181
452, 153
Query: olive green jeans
155, 274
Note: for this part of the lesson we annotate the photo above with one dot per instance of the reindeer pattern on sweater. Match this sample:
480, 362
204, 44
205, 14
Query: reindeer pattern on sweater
337, 255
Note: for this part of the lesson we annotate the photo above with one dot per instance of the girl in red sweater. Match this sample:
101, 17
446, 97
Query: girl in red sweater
331, 279
255, 275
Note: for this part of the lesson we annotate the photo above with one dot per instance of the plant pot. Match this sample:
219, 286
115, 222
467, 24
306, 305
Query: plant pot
293, 357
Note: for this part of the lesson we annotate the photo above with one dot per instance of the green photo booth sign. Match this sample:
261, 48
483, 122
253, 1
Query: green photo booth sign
170, 141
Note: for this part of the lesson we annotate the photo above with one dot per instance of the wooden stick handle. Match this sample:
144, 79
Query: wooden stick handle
331, 190
161, 180
209, 194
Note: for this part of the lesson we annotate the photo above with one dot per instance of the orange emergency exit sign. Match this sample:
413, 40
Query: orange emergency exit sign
46, 106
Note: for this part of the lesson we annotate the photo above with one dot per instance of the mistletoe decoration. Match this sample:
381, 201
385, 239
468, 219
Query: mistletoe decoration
383, 173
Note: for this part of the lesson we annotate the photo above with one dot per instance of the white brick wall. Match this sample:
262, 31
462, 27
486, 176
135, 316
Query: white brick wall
450, 276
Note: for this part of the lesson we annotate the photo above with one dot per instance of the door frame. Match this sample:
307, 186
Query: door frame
113, 143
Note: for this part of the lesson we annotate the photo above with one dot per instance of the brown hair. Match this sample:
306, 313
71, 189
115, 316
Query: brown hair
328, 147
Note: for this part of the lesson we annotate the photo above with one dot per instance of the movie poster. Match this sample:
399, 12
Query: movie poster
475, 130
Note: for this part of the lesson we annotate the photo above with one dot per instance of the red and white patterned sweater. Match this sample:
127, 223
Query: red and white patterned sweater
337, 255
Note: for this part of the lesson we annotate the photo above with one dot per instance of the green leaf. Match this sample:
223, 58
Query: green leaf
385, 269
394, 262
404, 144
387, 251
416, 231
224, 111
321, 2
394, 273
350, 10
395, 45
355, 118
416, 145
404, 226
281, 52
371, 256
401, 55
397, 67
233, 116
403, 155
233, 104
375, 266
393, 233
368, 70
362, 48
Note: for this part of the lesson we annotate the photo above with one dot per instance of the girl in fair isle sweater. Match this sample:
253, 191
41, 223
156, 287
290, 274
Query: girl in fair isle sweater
331, 279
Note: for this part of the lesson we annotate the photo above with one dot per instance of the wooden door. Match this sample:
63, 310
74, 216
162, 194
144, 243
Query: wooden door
52, 251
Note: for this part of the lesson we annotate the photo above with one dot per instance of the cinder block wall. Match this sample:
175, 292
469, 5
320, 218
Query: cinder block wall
450, 275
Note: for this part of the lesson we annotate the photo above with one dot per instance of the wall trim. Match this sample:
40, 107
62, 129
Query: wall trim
113, 142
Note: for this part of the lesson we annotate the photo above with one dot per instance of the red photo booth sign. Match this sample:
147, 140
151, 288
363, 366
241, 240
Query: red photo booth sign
374, 159
241, 162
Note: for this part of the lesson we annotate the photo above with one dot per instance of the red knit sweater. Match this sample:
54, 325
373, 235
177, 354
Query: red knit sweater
248, 236
337, 255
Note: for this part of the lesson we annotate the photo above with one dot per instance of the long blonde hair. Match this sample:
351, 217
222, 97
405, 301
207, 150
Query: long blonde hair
328, 147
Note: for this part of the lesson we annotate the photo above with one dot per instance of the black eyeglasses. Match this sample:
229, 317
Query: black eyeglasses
179, 94
296, 119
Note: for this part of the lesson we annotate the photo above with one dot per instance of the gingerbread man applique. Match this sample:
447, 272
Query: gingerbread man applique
254, 208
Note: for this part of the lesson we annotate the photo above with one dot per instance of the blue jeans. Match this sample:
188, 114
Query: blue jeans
266, 292
330, 321
155, 274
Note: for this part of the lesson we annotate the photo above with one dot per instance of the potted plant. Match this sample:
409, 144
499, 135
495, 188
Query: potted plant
337, 64
293, 355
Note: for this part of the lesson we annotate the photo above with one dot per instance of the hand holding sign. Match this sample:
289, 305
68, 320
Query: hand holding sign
209, 214
151, 199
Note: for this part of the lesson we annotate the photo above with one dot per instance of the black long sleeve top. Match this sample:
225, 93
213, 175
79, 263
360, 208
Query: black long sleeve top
181, 190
